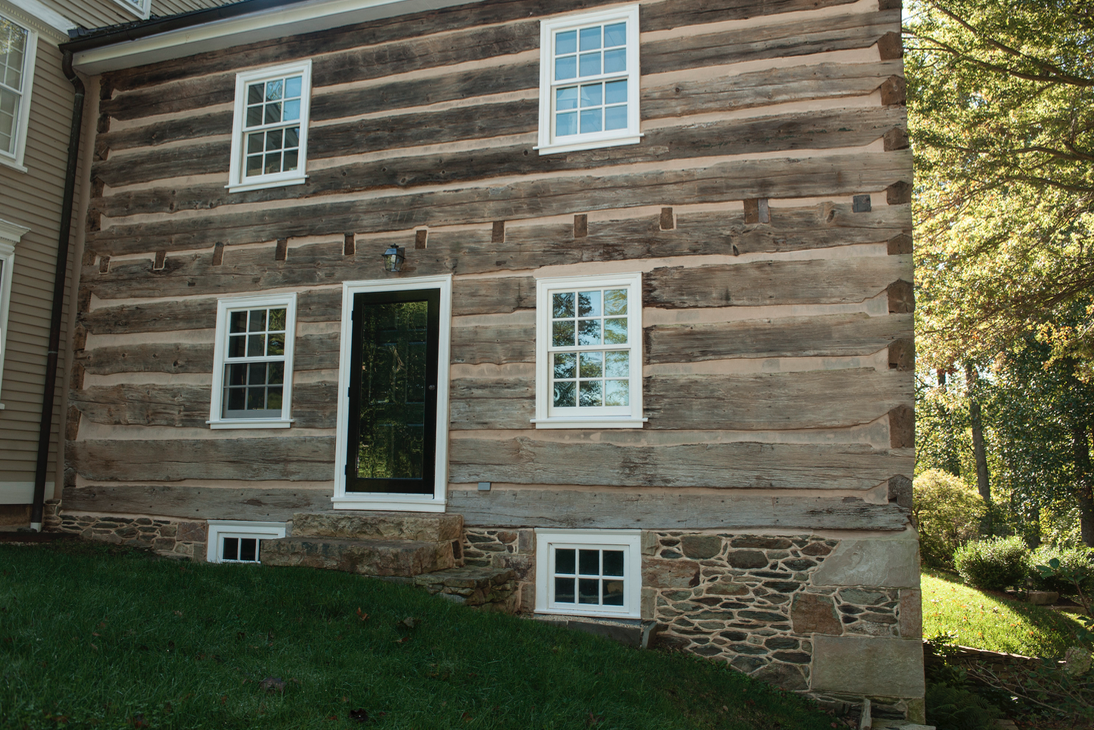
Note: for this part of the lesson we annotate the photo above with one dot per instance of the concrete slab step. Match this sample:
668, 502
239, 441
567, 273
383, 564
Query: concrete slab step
379, 526
362, 556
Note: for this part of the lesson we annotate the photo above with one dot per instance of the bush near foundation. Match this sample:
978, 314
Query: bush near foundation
994, 564
1078, 561
948, 513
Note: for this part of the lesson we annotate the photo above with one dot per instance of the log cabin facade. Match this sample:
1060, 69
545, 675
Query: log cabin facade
650, 335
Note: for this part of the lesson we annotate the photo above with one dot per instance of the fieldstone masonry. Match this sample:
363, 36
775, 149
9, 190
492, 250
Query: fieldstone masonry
807, 613
178, 539
511, 549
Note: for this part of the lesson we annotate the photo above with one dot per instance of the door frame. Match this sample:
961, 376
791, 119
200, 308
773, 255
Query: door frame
434, 502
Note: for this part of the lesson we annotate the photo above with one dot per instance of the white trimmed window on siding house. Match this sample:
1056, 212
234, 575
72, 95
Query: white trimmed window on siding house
589, 79
589, 352
587, 573
240, 541
17, 50
270, 128
140, 8
10, 234
252, 362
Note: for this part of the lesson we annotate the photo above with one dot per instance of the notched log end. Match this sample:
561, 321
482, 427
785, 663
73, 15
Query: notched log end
902, 355
900, 491
899, 193
900, 244
901, 297
902, 427
896, 139
890, 46
72, 425
894, 91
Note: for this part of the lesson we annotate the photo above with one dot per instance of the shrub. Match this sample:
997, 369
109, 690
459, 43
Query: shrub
1078, 561
948, 514
993, 564
956, 708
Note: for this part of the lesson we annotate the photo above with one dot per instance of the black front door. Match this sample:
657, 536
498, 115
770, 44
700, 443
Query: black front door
393, 392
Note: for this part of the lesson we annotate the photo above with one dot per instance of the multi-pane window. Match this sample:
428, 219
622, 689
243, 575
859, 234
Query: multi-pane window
253, 356
139, 7
17, 45
240, 542
589, 80
588, 573
270, 140
589, 352
10, 235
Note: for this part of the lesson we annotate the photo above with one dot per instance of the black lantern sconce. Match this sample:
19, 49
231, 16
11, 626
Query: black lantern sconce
394, 258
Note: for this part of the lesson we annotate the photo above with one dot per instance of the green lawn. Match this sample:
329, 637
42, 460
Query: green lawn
93, 637
986, 621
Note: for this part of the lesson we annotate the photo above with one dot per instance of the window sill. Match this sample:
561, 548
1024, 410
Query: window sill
262, 185
590, 422
251, 423
588, 144
398, 503
587, 613
9, 162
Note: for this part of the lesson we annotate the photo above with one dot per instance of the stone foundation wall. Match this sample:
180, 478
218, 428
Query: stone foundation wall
839, 619
179, 539
511, 549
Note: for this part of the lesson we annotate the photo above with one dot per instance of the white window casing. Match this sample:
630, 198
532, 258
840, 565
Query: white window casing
240, 541
253, 362
589, 80
589, 351
140, 8
589, 573
10, 235
270, 127
18, 46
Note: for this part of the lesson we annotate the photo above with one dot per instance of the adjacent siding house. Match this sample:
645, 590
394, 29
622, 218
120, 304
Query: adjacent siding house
613, 298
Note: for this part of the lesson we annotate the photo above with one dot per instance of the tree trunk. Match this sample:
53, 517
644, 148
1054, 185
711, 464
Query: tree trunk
1080, 443
951, 459
977, 435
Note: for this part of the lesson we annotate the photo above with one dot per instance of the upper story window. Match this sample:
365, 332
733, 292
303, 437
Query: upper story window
17, 48
270, 131
589, 80
252, 362
589, 352
140, 8
10, 234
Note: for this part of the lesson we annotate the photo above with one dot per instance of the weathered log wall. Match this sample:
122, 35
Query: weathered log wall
777, 347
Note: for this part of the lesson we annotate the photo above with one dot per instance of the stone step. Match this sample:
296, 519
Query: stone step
379, 526
494, 589
405, 558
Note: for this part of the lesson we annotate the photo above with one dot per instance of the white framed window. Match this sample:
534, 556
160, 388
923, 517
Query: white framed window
240, 542
589, 352
140, 8
10, 234
270, 128
589, 78
17, 50
252, 362
589, 573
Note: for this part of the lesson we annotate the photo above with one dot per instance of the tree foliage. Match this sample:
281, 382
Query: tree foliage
1001, 107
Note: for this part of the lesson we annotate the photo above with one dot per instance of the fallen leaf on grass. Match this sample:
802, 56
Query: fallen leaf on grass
359, 715
361, 614
409, 622
592, 720
467, 717
272, 684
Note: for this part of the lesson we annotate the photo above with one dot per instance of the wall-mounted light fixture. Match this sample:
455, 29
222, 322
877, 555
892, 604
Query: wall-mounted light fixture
394, 258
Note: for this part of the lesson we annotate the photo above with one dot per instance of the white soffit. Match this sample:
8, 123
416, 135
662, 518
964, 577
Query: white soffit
290, 20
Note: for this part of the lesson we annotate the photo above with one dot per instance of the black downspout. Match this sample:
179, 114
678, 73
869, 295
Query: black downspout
46, 422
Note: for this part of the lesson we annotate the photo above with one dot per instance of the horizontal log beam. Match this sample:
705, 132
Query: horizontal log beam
196, 503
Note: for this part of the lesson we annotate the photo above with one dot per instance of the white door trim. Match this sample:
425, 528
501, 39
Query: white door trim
400, 502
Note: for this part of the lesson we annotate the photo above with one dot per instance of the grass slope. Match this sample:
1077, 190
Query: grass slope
986, 621
92, 637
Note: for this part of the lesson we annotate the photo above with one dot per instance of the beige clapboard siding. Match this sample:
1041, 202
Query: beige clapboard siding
32, 199
101, 13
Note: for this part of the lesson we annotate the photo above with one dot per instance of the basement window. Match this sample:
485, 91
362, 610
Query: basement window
587, 573
240, 542
270, 128
252, 362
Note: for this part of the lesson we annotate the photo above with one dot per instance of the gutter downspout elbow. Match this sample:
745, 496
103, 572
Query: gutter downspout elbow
64, 238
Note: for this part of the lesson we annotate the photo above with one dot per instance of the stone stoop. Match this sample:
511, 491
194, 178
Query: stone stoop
389, 544
488, 588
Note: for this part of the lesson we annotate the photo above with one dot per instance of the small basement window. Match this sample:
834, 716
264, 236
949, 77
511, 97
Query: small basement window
588, 573
240, 542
